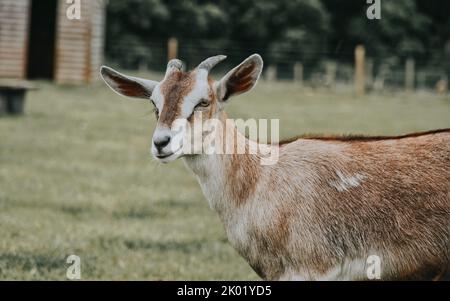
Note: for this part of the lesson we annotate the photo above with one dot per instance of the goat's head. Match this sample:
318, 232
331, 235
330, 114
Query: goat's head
185, 97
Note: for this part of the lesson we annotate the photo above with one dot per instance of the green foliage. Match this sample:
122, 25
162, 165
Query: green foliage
402, 31
306, 30
255, 25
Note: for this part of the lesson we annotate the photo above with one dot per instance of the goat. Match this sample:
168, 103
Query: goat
327, 205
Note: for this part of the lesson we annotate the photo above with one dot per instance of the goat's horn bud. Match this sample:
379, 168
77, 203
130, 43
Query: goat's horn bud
174, 64
209, 63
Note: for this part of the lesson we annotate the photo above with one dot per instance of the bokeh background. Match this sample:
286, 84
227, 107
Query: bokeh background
76, 175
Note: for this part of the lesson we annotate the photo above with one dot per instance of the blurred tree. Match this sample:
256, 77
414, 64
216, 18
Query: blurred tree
130, 24
401, 32
269, 27
437, 11
438, 42
342, 12
280, 29
135, 24
283, 30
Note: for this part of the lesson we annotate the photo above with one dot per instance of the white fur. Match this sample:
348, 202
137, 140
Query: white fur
345, 183
350, 269
199, 92
158, 98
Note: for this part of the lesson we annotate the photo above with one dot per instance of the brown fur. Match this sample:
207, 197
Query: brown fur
400, 211
212, 98
242, 176
240, 81
175, 88
128, 87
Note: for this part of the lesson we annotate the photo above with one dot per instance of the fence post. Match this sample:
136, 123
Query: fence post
359, 70
172, 49
271, 73
298, 73
409, 75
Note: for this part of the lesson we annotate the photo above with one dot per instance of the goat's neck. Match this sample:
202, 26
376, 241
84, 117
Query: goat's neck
224, 178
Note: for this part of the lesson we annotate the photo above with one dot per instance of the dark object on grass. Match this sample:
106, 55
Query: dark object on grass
12, 96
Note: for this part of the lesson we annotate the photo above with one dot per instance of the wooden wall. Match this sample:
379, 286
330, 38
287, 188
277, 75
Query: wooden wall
79, 43
97, 37
79, 46
13, 38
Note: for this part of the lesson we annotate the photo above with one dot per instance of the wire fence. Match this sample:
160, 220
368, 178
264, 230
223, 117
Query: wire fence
316, 68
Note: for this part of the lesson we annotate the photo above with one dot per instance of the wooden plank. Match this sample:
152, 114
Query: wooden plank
71, 75
79, 42
11, 55
9, 73
73, 64
75, 68
6, 58
70, 46
72, 49
12, 44
10, 22
69, 54
13, 12
13, 37
16, 3
360, 83
97, 37
76, 72
70, 78
15, 67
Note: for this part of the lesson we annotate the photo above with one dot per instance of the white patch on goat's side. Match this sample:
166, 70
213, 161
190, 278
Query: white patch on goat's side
344, 183
350, 269
199, 92
353, 269
292, 276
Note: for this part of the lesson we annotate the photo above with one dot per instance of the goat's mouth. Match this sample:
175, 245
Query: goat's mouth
166, 158
163, 156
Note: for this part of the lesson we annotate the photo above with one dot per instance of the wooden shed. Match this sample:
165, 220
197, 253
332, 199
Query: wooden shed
40, 39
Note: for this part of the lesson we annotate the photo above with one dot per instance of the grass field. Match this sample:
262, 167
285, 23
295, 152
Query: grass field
76, 177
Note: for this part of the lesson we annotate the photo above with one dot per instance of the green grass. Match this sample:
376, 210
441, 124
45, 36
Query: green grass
76, 177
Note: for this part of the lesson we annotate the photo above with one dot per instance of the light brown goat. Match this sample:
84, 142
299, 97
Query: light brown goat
328, 204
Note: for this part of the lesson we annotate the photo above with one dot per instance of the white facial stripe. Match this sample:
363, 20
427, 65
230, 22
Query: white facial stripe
158, 98
200, 91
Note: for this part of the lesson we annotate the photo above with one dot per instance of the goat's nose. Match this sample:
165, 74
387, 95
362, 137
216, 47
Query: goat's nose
161, 142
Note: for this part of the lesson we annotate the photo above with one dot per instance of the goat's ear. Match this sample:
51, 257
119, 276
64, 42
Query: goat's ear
240, 79
127, 85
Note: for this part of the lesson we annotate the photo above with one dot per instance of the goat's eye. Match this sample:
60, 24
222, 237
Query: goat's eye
203, 104
155, 109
